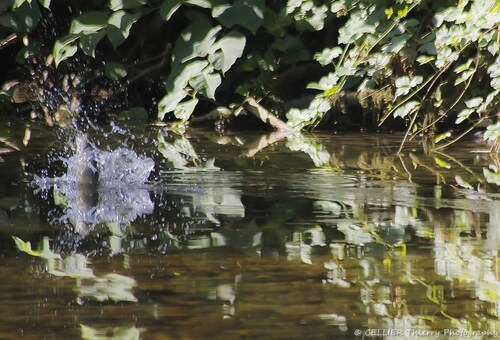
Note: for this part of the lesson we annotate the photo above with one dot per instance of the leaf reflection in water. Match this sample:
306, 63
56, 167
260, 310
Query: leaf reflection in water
110, 286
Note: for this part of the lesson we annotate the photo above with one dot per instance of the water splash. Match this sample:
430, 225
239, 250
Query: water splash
100, 186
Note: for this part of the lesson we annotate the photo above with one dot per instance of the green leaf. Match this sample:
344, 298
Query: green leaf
405, 109
169, 102
89, 22
463, 67
463, 115
88, 42
184, 110
464, 184
473, 102
424, 59
246, 13
179, 77
115, 71
442, 137
168, 8
195, 41
327, 56
206, 83
200, 3
442, 163
25, 17
25, 246
116, 5
45, 3
232, 46
464, 76
64, 48
119, 26
404, 85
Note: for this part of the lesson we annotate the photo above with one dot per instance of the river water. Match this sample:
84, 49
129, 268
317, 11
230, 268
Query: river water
128, 233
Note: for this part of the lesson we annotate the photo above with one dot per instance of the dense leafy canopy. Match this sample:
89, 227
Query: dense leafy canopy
434, 61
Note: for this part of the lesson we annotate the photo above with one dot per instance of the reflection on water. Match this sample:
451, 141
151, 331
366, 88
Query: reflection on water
196, 236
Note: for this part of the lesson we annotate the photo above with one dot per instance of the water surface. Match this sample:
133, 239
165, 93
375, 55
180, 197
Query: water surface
244, 235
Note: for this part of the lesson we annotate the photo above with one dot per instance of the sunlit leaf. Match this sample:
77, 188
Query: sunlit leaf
463, 67
232, 46
206, 83
119, 25
196, 40
169, 102
326, 56
442, 163
464, 76
45, 3
246, 13
464, 184
64, 48
25, 246
424, 59
442, 137
463, 115
389, 12
474, 102
492, 177
89, 22
184, 109
116, 5
168, 8
492, 132
179, 77
405, 109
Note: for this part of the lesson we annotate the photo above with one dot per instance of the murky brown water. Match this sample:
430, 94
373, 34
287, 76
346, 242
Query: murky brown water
247, 236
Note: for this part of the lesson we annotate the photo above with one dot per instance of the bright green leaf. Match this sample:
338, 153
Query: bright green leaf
463, 115
473, 102
405, 109
116, 5
65, 48
119, 27
45, 3
442, 137
442, 163
184, 110
464, 184
424, 59
25, 246
232, 46
195, 41
169, 102
206, 83
180, 76
463, 67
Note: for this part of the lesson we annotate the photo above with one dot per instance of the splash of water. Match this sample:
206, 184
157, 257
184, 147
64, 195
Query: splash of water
101, 186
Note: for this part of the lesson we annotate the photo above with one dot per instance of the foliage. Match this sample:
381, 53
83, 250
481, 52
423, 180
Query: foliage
419, 48
441, 59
